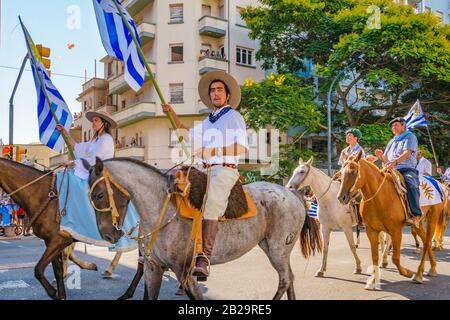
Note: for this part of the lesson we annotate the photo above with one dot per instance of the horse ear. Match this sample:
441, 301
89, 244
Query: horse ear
310, 161
86, 164
98, 166
358, 156
300, 161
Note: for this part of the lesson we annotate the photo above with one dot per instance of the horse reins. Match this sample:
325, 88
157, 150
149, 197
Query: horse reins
352, 188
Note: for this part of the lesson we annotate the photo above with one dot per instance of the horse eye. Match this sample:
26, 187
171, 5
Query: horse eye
100, 196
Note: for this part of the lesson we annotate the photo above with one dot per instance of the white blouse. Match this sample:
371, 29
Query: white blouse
102, 147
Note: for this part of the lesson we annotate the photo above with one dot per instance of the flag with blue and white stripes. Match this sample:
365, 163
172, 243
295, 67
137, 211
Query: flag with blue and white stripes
313, 209
48, 134
415, 117
118, 42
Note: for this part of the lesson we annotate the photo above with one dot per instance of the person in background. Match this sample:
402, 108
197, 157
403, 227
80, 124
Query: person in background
423, 164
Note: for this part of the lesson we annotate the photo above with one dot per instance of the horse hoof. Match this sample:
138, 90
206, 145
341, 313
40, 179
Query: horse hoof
369, 286
357, 271
418, 279
180, 292
106, 275
432, 273
319, 273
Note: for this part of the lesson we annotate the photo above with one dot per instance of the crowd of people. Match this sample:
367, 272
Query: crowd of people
12, 214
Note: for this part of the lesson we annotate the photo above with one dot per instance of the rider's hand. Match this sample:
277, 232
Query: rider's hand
390, 165
167, 108
379, 153
69, 164
439, 170
61, 128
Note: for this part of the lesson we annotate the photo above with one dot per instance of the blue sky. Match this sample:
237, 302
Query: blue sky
49, 23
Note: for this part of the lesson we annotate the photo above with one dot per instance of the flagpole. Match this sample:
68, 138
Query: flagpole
152, 78
27, 36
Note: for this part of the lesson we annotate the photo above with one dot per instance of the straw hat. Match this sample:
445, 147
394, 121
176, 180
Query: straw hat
103, 115
233, 86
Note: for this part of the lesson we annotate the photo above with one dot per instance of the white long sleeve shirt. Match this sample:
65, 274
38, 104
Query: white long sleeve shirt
102, 147
424, 166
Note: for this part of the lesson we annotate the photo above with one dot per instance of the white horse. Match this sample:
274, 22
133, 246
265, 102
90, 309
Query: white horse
333, 215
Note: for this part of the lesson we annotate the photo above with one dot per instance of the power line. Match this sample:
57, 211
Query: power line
53, 73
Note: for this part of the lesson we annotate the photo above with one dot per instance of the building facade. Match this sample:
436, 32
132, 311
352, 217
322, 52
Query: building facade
440, 8
182, 40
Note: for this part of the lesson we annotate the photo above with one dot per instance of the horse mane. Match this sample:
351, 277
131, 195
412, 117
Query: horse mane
24, 166
137, 162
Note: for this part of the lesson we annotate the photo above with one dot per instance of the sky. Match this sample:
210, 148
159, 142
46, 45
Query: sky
55, 24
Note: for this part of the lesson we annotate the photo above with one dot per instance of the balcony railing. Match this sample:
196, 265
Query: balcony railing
118, 85
134, 113
212, 26
134, 152
134, 6
146, 32
107, 108
95, 83
207, 64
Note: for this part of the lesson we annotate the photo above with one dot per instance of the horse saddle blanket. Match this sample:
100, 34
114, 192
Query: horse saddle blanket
191, 187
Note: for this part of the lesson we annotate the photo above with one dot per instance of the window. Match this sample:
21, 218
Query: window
176, 13
85, 136
124, 104
176, 52
244, 56
85, 106
239, 20
176, 93
110, 69
222, 52
222, 11
206, 10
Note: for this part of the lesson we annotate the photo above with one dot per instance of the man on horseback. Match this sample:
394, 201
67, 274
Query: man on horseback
400, 154
219, 141
352, 137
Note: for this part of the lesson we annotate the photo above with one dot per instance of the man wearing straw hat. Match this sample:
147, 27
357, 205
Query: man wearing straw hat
219, 141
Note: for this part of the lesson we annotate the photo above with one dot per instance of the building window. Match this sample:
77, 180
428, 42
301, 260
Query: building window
176, 52
176, 93
110, 69
85, 106
244, 56
222, 11
239, 20
85, 136
176, 13
206, 10
124, 104
222, 52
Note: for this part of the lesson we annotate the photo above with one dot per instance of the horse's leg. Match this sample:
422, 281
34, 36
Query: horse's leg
113, 265
58, 269
134, 283
373, 282
396, 237
358, 236
326, 242
82, 264
349, 235
385, 248
414, 234
54, 247
153, 275
290, 290
432, 224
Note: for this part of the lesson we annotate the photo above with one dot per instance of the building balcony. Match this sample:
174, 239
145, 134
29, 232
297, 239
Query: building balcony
212, 27
207, 64
118, 85
134, 113
135, 6
137, 153
146, 32
95, 83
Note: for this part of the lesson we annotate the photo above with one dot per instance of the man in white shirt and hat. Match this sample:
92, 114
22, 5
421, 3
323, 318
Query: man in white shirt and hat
423, 164
219, 141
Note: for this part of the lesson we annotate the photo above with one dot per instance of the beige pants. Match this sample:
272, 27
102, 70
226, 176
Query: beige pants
221, 181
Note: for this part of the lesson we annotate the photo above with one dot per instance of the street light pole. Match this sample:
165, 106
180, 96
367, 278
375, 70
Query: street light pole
330, 91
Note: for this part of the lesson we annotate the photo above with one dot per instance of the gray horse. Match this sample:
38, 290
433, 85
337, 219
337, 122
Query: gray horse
281, 219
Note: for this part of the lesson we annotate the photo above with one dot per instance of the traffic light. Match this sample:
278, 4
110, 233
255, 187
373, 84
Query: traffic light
44, 53
6, 151
20, 153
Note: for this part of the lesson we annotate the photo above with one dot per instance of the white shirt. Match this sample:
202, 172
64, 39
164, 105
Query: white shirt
102, 147
347, 152
225, 132
424, 166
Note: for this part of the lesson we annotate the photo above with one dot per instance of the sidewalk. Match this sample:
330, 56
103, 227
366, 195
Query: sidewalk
21, 237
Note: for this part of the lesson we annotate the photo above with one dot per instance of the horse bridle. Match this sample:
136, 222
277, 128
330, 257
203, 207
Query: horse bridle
112, 204
352, 189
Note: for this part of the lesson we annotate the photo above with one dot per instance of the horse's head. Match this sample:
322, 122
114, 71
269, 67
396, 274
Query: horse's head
349, 176
301, 177
109, 199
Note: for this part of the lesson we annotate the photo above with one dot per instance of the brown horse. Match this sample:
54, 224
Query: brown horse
382, 210
38, 199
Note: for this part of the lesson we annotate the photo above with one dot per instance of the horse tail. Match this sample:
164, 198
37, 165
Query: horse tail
310, 237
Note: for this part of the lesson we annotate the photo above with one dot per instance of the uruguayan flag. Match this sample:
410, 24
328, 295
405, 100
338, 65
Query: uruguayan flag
48, 134
118, 42
415, 117
313, 209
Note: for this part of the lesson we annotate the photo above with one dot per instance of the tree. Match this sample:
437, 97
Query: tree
407, 58
281, 101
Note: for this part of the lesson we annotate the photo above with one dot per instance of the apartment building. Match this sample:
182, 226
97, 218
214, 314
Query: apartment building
440, 8
182, 40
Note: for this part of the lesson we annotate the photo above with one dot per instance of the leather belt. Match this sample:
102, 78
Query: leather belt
229, 165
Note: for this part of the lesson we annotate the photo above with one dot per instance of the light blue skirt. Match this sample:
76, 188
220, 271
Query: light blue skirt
79, 218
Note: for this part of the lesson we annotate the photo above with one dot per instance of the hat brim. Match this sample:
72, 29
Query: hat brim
92, 114
233, 86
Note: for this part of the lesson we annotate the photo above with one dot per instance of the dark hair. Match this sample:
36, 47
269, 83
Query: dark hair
224, 84
106, 128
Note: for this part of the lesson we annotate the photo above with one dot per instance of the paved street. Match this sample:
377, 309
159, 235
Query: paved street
250, 277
